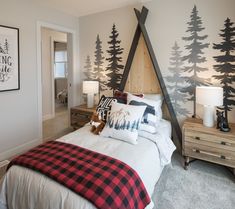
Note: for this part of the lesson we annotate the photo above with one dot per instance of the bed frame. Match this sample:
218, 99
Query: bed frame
143, 75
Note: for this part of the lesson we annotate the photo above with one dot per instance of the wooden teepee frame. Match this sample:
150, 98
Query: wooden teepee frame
141, 29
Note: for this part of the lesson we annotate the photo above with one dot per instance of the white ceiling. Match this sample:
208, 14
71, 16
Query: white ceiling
85, 7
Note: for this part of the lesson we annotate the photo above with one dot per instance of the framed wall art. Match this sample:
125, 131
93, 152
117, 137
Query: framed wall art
9, 59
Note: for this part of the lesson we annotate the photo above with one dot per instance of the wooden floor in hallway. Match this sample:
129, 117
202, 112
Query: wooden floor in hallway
58, 126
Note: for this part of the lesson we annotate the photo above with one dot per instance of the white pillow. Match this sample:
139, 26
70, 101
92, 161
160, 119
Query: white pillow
123, 122
152, 114
154, 97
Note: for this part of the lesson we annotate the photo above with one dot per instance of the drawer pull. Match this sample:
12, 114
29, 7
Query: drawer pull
223, 157
197, 138
226, 143
212, 154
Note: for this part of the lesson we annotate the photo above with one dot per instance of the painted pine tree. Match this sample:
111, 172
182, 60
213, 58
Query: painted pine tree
99, 71
88, 72
176, 81
225, 66
195, 57
114, 68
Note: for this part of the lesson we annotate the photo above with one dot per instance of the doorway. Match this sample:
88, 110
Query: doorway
60, 76
55, 74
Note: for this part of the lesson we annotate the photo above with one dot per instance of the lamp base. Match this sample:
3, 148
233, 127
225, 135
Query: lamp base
208, 116
90, 100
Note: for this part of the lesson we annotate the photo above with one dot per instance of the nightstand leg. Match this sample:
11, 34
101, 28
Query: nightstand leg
186, 162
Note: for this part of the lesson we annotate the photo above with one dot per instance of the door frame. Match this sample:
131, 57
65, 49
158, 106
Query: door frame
71, 44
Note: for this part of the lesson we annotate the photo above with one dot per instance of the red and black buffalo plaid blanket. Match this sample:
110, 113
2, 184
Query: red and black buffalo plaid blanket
104, 181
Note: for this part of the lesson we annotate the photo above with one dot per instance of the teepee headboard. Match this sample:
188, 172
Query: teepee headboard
142, 73
142, 78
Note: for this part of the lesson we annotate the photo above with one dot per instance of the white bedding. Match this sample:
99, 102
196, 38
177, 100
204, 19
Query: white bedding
22, 188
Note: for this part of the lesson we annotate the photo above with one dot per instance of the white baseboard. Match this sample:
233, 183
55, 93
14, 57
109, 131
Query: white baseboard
48, 117
19, 149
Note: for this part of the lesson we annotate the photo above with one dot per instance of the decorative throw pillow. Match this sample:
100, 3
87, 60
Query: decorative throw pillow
123, 122
104, 106
152, 114
122, 96
154, 97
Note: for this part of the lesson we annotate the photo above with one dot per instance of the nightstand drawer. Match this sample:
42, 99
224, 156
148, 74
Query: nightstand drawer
80, 115
78, 120
209, 140
209, 144
210, 154
84, 114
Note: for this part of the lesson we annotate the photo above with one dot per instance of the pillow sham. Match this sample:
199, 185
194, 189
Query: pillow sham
152, 114
154, 97
122, 96
104, 106
123, 122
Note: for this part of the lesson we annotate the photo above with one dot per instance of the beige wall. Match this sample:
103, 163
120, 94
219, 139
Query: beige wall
166, 23
19, 111
48, 36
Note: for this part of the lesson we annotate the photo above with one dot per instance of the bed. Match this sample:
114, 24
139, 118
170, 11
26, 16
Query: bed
24, 188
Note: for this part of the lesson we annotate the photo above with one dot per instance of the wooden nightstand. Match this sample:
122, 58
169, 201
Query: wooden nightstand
80, 115
209, 144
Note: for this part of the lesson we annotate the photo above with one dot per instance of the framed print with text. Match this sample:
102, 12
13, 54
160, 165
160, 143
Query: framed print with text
9, 59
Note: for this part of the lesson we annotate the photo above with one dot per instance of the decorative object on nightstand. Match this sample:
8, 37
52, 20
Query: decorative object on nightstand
90, 88
209, 144
222, 123
209, 97
80, 115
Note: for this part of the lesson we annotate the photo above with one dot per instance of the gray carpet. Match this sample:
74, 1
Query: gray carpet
203, 186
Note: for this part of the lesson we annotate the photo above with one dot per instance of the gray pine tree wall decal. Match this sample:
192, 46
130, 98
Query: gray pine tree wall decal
88, 72
176, 82
99, 71
195, 57
114, 68
226, 66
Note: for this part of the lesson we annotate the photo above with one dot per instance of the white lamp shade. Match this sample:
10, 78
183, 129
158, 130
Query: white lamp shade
90, 87
209, 95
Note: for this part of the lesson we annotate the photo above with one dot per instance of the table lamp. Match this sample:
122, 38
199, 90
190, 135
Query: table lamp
90, 88
209, 97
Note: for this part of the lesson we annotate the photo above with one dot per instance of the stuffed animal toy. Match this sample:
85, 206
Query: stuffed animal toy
97, 124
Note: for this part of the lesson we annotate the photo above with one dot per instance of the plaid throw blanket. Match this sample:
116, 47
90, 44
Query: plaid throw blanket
104, 181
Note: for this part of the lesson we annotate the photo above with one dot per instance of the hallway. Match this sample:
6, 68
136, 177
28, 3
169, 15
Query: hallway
58, 126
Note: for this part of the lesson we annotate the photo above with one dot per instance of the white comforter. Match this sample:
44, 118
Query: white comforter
22, 188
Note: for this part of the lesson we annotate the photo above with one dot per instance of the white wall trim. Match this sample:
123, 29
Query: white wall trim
52, 40
19, 149
71, 32
52, 76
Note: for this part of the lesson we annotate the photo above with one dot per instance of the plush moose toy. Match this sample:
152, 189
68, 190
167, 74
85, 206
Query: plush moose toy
97, 124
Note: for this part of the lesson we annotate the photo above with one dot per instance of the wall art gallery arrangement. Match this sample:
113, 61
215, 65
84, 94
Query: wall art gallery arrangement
9, 58
187, 65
